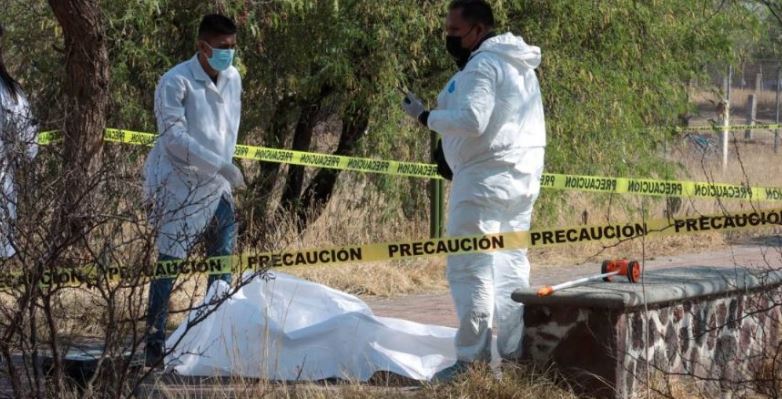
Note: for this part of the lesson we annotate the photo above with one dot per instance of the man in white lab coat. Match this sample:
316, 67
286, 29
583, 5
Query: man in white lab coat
189, 173
490, 116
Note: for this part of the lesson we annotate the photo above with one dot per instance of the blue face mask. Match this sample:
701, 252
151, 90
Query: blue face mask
221, 59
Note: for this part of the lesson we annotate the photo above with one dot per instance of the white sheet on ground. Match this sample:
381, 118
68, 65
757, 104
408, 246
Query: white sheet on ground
292, 329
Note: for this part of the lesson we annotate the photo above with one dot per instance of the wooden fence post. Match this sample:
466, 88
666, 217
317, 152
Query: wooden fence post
727, 82
752, 105
777, 85
752, 112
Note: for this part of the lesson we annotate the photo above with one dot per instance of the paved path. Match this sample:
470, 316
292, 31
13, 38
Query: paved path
438, 308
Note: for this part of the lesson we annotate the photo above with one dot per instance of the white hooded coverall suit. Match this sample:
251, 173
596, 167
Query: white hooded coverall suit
490, 116
18, 134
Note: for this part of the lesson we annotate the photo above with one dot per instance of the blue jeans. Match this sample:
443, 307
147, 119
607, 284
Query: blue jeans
220, 236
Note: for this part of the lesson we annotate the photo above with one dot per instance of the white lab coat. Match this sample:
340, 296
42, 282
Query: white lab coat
198, 123
491, 118
18, 143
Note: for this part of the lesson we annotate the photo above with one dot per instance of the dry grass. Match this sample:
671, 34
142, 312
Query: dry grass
346, 222
356, 215
360, 214
518, 382
750, 163
740, 99
739, 105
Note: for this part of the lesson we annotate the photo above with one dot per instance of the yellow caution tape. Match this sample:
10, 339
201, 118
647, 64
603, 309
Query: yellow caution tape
367, 165
661, 188
719, 127
93, 275
365, 253
620, 185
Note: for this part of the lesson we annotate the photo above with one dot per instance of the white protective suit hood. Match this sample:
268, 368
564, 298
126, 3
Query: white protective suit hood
512, 49
491, 108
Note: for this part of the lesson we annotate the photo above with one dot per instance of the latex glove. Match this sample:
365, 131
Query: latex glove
412, 105
233, 175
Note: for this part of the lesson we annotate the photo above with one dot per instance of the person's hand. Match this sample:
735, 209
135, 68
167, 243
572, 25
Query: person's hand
233, 175
413, 106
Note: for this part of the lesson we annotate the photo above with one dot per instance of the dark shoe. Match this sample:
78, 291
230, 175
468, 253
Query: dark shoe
451, 373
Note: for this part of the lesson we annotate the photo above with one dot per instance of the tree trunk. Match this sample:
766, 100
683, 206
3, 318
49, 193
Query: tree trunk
86, 98
318, 192
262, 187
302, 138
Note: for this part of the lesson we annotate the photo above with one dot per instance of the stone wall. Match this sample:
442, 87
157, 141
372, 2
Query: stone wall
720, 337
723, 342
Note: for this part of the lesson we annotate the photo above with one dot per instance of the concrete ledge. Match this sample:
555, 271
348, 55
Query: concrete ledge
658, 287
717, 327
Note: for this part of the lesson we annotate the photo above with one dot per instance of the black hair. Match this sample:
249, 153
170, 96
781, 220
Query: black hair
474, 11
216, 24
5, 77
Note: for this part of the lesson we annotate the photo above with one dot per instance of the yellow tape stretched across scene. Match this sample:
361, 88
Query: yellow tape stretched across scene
608, 234
367, 165
718, 127
660, 188
598, 184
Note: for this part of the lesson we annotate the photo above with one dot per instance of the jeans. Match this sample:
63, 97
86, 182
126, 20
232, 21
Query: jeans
220, 236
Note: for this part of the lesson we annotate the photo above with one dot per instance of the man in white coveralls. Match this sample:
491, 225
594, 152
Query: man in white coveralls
189, 174
490, 116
